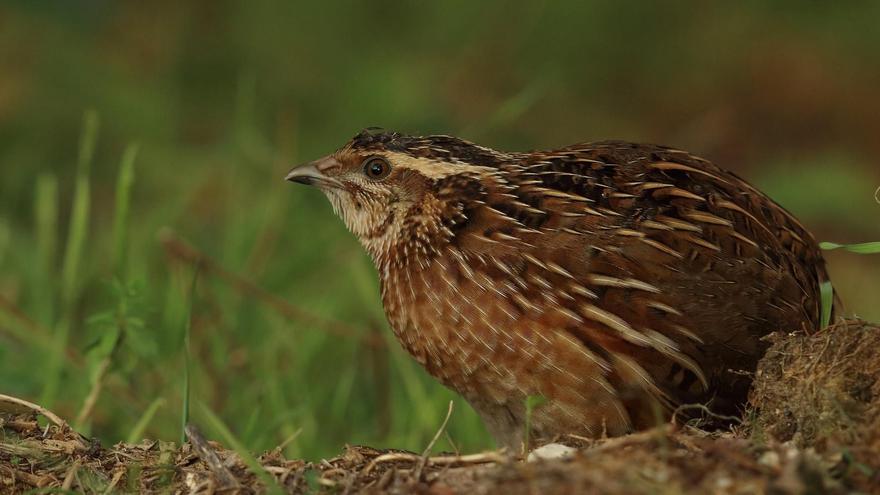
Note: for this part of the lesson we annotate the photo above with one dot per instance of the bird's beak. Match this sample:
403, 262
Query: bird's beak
315, 173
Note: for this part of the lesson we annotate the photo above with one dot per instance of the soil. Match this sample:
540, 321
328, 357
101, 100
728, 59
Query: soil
812, 426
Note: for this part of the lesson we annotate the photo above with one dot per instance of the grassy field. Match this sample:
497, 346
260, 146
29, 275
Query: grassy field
137, 138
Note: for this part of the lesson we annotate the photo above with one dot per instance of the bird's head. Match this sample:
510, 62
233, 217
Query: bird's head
404, 197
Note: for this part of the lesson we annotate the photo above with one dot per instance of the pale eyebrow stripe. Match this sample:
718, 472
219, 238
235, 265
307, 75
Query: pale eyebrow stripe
435, 169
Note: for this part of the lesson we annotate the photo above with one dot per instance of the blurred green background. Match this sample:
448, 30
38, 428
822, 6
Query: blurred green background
202, 106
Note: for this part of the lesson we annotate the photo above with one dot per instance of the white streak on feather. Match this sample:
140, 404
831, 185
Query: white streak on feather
628, 283
615, 323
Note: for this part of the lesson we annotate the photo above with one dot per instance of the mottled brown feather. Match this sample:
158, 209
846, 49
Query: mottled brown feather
617, 280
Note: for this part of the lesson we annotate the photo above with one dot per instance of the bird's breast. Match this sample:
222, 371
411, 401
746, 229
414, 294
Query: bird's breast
497, 339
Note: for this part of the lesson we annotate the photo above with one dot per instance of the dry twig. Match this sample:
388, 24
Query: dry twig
210, 458
442, 460
15, 405
418, 473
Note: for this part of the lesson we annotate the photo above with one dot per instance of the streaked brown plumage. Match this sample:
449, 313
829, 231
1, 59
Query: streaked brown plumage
616, 280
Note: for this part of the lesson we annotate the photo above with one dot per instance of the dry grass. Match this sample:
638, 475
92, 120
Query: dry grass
812, 428
823, 392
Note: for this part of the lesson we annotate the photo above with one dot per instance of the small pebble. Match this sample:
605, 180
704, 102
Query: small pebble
769, 459
551, 451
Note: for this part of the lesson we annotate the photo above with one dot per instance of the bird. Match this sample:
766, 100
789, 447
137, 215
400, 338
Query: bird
617, 282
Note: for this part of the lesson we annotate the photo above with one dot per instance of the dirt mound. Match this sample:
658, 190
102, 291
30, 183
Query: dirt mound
813, 427
822, 392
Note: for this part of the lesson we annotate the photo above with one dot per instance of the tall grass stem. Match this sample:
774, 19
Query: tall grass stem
70, 270
123, 207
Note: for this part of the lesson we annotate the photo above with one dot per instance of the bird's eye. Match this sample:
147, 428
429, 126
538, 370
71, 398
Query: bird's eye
376, 168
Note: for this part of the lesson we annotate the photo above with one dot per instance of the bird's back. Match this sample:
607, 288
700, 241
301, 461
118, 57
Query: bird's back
666, 269
726, 264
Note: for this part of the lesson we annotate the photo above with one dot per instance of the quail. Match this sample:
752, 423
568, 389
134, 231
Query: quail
618, 281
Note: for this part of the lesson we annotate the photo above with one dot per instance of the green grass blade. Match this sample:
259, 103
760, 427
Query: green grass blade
46, 208
225, 433
826, 291
184, 413
137, 432
862, 248
46, 217
70, 270
79, 216
123, 204
79, 224
187, 328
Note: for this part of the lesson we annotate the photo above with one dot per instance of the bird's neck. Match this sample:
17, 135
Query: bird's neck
413, 238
